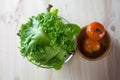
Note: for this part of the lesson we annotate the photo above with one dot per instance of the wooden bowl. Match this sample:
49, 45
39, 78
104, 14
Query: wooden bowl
105, 46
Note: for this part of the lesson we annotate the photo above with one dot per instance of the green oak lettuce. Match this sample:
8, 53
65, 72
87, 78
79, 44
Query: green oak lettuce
45, 39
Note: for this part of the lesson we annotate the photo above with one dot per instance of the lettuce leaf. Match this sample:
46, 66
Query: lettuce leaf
45, 39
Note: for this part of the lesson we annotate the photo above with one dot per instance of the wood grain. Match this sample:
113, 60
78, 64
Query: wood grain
15, 12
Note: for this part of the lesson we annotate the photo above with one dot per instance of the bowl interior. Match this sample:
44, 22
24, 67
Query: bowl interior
105, 46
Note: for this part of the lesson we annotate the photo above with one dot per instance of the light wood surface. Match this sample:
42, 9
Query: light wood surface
15, 12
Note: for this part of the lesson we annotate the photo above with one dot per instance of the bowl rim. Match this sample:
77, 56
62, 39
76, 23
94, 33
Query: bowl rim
67, 58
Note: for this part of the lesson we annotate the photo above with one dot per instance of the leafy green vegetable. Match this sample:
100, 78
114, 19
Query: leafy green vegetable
45, 39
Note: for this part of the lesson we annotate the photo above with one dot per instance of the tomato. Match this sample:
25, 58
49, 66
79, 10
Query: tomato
91, 46
95, 31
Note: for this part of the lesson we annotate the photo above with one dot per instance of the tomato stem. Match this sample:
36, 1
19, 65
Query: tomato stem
98, 30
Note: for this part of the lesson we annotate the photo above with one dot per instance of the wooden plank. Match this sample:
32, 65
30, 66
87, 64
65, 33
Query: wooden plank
14, 67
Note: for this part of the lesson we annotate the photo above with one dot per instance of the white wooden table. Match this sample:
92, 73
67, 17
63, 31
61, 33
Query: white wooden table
82, 12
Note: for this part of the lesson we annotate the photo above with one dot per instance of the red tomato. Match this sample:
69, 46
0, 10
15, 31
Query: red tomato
91, 46
95, 31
